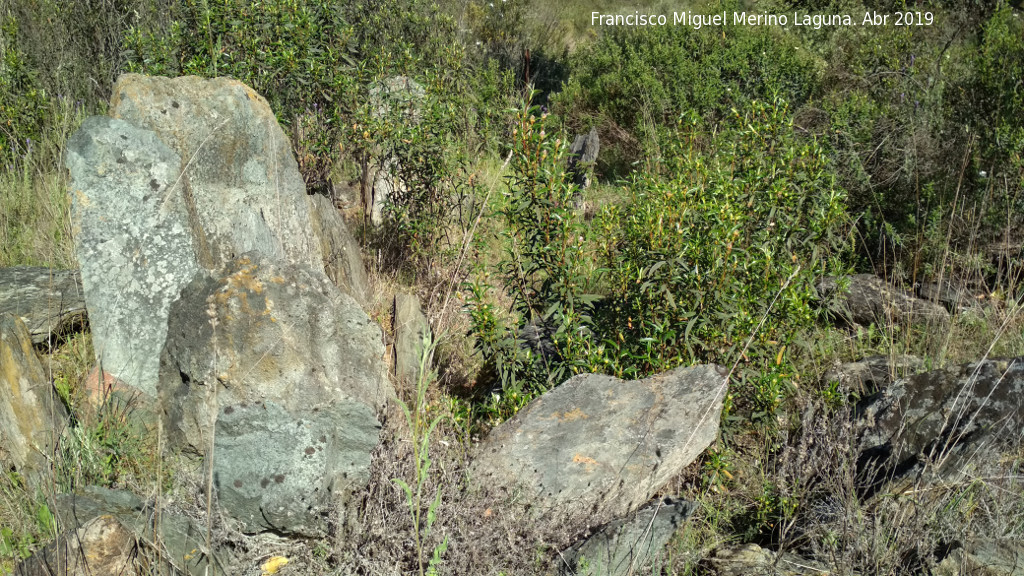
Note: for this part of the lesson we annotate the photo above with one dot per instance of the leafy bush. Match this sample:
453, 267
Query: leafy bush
715, 262
634, 84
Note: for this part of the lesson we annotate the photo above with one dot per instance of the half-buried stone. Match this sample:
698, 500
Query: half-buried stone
597, 447
280, 375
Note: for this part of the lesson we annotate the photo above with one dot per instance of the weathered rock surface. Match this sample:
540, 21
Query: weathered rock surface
869, 300
752, 560
50, 302
288, 373
630, 545
984, 558
601, 446
168, 542
189, 174
101, 546
342, 259
135, 250
582, 155
31, 415
411, 332
945, 418
871, 374
239, 178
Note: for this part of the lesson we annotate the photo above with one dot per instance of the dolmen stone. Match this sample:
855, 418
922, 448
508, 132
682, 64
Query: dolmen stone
630, 545
937, 424
868, 299
412, 333
186, 175
31, 415
280, 375
601, 447
50, 302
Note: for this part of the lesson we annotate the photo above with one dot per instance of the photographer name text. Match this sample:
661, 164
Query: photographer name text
812, 20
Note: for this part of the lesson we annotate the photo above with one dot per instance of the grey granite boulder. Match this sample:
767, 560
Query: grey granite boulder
343, 261
50, 302
134, 248
31, 415
281, 375
189, 174
600, 446
867, 299
412, 331
942, 422
630, 545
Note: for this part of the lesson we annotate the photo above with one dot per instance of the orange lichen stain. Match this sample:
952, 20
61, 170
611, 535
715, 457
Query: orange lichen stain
277, 279
569, 416
588, 463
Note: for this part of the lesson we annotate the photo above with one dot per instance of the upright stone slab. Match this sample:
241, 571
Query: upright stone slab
411, 331
600, 446
132, 241
31, 417
189, 174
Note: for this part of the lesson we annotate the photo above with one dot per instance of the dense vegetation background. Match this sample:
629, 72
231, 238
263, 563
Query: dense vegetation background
738, 167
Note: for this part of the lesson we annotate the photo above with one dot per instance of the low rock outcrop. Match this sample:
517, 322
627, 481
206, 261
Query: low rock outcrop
600, 446
50, 302
630, 545
872, 374
101, 546
31, 416
869, 300
941, 421
281, 375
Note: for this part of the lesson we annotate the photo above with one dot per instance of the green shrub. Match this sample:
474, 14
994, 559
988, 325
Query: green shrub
636, 83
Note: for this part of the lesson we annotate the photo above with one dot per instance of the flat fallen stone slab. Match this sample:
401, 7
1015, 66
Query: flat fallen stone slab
50, 302
601, 446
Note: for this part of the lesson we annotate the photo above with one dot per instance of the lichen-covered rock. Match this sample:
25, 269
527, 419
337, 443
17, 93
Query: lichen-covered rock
941, 421
101, 546
239, 178
189, 174
629, 545
31, 415
342, 259
984, 557
412, 331
281, 374
50, 302
132, 242
601, 446
869, 300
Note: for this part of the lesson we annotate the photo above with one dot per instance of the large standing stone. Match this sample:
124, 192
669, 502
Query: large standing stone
188, 175
134, 248
31, 417
239, 178
342, 259
942, 421
582, 155
50, 302
601, 446
281, 374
